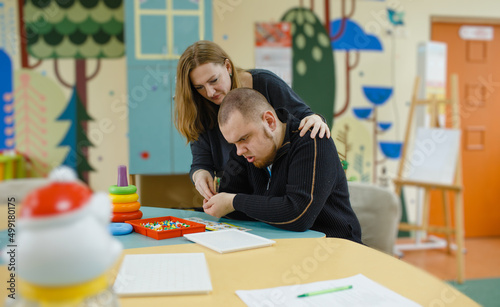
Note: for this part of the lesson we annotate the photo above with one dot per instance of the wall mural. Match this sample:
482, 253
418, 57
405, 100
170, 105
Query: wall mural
366, 159
312, 62
80, 31
38, 101
353, 40
7, 51
7, 103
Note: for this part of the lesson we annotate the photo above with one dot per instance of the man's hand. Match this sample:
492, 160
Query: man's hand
204, 183
219, 205
315, 122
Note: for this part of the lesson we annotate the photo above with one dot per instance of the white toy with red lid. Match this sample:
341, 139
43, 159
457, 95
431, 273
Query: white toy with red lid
63, 239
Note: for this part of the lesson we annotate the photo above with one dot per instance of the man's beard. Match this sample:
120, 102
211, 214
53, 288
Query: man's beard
267, 160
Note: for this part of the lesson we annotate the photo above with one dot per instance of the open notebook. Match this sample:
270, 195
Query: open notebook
231, 240
163, 274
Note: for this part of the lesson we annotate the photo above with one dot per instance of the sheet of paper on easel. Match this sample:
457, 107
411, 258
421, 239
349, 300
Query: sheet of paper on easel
434, 156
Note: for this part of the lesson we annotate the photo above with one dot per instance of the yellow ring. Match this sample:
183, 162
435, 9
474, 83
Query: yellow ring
126, 207
120, 199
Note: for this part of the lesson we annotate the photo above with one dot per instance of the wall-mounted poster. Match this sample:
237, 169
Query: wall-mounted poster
273, 48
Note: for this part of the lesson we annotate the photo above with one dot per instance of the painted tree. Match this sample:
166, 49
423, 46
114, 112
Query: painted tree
313, 62
74, 137
77, 30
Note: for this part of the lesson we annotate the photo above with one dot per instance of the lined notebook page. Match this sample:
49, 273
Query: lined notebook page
163, 274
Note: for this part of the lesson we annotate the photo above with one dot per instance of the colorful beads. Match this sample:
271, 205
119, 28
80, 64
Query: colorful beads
165, 225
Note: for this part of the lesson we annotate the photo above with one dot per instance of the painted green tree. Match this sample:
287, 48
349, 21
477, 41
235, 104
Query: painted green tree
75, 138
80, 30
313, 62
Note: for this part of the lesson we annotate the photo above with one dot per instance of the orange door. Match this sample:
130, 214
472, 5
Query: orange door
477, 63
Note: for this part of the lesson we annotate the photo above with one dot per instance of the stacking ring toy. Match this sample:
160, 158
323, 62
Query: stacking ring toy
118, 229
130, 189
126, 207
119, 217
120, 199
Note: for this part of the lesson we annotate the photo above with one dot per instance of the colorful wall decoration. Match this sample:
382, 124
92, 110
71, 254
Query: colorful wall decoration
313, 62
6, 103
8, 48
351, 39
80, 31
38, 101
273, 48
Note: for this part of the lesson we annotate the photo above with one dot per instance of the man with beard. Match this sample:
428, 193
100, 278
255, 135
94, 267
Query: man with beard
277, 177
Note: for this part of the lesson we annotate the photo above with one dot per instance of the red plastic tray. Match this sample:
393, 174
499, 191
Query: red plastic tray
165, 234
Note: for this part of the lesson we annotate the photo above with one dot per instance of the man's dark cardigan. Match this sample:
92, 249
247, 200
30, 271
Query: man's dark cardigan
307, 188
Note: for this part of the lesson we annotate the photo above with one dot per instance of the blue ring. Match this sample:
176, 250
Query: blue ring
118, 229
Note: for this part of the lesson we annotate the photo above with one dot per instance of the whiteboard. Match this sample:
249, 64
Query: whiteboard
434, 156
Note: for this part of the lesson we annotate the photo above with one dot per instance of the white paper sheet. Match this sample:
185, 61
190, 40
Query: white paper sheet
163, 274
364, 292
227, 241
434, 156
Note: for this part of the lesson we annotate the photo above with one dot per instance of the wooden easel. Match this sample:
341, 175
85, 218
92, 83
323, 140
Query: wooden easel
454, 187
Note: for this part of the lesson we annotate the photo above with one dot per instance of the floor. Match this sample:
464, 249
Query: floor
482, 259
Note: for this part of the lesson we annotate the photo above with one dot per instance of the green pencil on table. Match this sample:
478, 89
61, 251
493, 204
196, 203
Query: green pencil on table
325, 291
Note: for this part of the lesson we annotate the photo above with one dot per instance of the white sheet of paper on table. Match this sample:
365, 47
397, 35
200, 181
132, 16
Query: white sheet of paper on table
227, 241
163, 274
364, 292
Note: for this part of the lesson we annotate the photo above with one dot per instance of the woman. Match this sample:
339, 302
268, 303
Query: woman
205, 74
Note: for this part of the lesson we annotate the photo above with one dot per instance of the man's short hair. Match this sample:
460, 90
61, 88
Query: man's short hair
249, 102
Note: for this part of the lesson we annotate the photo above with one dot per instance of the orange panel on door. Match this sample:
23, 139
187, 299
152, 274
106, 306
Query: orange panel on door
477, 62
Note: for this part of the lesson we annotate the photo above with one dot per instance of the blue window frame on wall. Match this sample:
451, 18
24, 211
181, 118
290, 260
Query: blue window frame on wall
157, 32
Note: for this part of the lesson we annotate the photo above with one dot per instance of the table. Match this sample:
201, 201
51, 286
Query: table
303, 260
136, 240
295, 258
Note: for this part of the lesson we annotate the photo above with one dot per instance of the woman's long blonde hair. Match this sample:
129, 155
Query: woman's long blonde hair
194, 113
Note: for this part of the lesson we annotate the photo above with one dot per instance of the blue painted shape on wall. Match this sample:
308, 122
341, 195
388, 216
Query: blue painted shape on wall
391, 150
396, 18
7, 103
362, 113
353, 37
376, 94
384, 125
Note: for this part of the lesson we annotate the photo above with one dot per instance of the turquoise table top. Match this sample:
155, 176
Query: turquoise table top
135, 240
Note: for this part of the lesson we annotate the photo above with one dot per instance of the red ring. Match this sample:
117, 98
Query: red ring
120, 217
